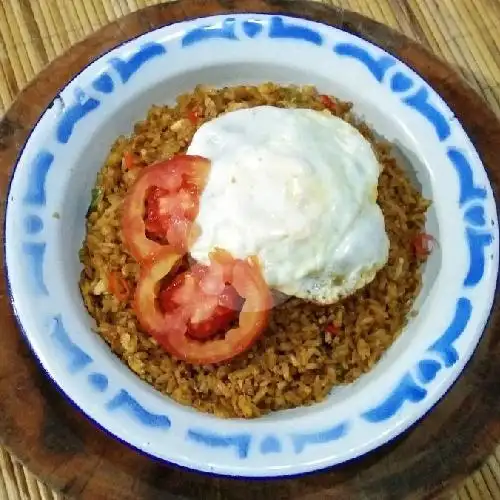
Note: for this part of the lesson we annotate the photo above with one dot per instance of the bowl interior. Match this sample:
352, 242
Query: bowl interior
98, 141
51, 192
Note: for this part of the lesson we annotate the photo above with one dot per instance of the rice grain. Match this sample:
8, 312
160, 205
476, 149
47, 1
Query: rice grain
298, 360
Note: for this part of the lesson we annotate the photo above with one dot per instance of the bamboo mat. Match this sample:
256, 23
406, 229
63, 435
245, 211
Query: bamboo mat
463, 32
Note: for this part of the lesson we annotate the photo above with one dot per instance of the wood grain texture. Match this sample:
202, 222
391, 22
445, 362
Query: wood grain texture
64, 448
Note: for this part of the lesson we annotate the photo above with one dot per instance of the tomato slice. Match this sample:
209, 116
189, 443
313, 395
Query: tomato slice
162, 204
209, 303
188, 317
159, 266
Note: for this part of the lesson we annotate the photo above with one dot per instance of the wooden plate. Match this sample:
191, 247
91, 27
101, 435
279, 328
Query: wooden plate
68, 452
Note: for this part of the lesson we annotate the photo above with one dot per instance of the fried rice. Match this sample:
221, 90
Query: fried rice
307, 349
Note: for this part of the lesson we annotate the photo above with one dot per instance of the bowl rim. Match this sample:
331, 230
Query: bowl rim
11, 178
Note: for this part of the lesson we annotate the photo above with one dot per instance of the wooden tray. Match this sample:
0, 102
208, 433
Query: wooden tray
60, 445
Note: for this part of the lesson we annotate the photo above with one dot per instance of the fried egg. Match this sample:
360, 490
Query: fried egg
297, 188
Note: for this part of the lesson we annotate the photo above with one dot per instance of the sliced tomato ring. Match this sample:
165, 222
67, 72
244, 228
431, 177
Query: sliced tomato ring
155, 270
187, 329
171, 189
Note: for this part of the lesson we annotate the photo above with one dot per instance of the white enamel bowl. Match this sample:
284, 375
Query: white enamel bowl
50, 193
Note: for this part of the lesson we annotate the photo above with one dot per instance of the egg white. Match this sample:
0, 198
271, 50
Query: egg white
297, 188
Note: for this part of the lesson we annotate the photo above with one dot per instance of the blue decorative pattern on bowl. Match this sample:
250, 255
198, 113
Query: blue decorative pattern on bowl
39, 256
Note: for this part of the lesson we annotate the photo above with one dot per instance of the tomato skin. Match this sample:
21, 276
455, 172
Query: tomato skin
423, 244
153, 271
192, 116
128, 160
118, 286
163, 177
328, 102
173, 327
332, 329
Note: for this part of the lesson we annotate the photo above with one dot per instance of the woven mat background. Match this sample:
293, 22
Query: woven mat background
463, 32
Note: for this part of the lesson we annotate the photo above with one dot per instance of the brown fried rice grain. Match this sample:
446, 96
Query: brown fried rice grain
298, 360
